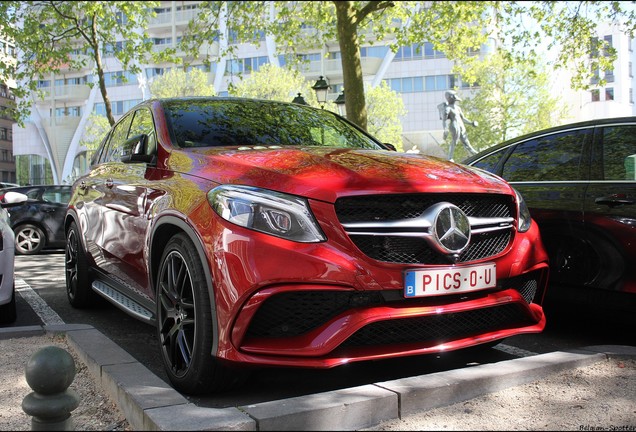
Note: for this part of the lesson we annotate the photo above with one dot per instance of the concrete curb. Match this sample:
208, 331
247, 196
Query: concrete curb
150, 404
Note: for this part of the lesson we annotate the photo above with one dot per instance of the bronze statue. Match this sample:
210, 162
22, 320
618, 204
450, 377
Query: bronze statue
453, 117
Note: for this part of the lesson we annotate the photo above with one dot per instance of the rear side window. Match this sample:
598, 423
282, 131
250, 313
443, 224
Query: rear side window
619, 153
555, 157
57, 195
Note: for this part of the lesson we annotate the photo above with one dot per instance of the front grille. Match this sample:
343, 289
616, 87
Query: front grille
409, 206
382, 242
412, 250
435, 329
298, 312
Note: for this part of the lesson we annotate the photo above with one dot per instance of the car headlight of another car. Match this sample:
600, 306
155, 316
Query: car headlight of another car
525, 220
270, 212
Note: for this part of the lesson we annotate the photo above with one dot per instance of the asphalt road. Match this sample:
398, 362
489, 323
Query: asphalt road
42, 299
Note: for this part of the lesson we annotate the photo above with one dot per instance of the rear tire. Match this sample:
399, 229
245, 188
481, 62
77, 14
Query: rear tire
7, 311
29, 240
78, 281
184, 322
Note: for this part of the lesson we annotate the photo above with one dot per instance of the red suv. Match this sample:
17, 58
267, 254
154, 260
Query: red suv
261, 233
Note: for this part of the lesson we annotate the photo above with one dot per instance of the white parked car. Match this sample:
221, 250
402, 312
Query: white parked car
7, 255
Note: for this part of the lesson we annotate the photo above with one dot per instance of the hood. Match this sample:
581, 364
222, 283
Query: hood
328, 173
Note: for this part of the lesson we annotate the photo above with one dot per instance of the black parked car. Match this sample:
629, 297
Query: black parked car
39, 223
579, 181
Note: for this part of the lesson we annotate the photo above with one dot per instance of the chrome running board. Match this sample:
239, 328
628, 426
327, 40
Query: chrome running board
124, 303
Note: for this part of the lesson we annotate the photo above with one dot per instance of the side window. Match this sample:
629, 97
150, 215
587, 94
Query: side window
57, 195
142, 124
117, 139
619, 153
489, 163
555, 157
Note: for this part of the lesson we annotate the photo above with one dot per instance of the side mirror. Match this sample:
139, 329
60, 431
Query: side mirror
134, 150
12, 199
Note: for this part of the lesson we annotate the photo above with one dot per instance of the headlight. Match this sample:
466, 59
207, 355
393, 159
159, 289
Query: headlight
525, 220
270, 212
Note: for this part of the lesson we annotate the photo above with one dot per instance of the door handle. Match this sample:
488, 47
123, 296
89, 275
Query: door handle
614, 200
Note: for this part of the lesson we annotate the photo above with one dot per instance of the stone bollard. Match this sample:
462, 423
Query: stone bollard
49, 372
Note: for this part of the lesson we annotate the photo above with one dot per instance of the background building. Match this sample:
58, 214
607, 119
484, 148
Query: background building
7, 161
418, 73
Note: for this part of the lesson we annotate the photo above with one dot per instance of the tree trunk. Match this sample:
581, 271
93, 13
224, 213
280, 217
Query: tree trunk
351, 64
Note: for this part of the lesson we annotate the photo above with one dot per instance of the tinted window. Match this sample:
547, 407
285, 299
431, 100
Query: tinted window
555, 157
619, 153
245, 123
489, 163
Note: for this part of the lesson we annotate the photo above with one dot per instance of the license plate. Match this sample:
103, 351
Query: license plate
451, 280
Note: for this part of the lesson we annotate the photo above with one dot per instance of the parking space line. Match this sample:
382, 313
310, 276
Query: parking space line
46, 314
519, 352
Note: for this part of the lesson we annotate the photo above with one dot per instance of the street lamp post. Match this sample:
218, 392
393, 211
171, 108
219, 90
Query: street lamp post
300, 100
321, 88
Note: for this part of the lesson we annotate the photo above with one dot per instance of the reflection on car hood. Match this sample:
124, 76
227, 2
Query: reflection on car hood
327, 173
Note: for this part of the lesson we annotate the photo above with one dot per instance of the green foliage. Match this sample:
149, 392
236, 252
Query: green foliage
96, 129
385, 107
55, 36
512, 99
177, 83
274, 83
454, 28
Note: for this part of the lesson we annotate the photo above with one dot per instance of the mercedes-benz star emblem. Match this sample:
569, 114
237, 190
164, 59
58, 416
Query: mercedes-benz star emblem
451, 229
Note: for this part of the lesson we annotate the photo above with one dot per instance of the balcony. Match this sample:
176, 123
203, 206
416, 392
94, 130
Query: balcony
76, 59
165, 19
205, 50
333, 68
66, 93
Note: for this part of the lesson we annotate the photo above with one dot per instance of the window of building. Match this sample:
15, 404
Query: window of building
631, 95
595, 95
374, 51
609, 93
4, 134
119, 78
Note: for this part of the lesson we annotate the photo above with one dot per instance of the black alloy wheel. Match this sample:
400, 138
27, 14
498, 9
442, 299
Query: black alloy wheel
184, 322
78, 280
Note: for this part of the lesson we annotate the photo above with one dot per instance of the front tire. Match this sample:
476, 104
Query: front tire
184, 322
29, 240
78, 281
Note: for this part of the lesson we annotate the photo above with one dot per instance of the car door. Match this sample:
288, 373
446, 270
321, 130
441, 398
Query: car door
126, 206
54, 201
610, 208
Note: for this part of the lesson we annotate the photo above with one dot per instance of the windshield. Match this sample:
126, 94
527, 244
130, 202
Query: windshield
245, 122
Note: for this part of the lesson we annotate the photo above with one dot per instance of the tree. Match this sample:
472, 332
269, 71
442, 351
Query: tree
96, 129
454, 28
282, 84
385, 107
511, 100
274, 83
176, 83
55, 35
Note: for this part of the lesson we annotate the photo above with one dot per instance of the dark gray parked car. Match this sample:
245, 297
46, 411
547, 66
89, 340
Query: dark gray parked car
38, 224
579, 181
